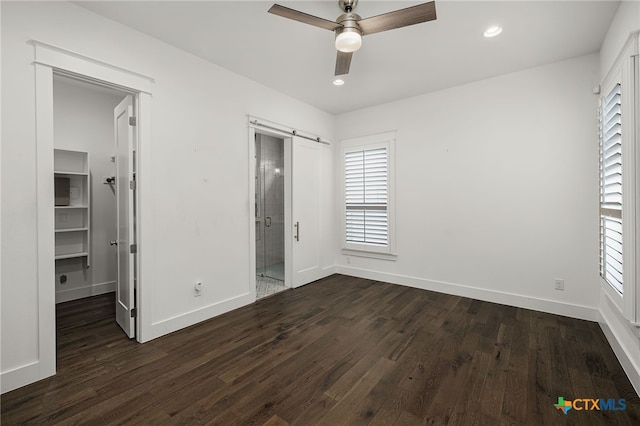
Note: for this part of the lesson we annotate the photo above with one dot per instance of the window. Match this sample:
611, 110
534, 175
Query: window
619, 212
366, 196
611, 188
368, 209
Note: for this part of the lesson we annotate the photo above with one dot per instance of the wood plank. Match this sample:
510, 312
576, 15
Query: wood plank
467, 405
493, 392
514, 407
275, 421
342, 350
353, 399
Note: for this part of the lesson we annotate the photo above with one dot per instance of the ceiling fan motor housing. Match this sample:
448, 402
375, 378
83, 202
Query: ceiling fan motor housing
349, 22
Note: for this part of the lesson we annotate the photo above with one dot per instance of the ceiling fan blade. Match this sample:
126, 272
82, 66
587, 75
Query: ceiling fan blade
305, 18
398, 19
343, 62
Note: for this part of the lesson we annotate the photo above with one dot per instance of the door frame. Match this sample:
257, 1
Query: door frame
50, 59
288, 232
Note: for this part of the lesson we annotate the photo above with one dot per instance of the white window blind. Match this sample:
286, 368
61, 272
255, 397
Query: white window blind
366, 196
611, 188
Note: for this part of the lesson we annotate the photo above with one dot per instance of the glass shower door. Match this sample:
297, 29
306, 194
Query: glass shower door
270, 221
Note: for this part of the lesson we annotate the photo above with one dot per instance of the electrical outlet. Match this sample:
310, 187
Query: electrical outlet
559, 284
348, 259
197, 290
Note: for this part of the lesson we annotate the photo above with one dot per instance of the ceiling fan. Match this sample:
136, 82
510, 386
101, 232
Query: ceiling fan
350, 27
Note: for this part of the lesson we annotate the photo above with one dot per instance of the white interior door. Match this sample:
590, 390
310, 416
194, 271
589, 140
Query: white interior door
306, 183
125, 146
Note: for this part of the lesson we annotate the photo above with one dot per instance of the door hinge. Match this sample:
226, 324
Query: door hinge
132, 185
133, 248
133, 121
134, 312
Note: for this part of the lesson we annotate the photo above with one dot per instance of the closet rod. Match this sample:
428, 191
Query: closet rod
292, 132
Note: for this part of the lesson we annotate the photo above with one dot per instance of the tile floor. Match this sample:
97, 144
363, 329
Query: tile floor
273, 271
266, 286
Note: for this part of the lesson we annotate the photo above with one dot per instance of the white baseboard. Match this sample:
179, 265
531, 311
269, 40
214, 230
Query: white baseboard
86, 291
613, 326
23, 375
633, 373
504, 298
169, 325
329, 270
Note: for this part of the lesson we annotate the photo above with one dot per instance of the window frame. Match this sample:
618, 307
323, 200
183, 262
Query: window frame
625, 71
381, 140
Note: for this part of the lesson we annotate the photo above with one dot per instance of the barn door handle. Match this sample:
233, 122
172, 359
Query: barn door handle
297, 225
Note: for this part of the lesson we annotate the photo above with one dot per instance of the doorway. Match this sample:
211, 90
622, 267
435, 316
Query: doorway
93, 213
50, 60
286, 186
270, 214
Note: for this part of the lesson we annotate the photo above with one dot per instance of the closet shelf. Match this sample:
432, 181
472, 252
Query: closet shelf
71, 229
71, 255
64, 173
72, 217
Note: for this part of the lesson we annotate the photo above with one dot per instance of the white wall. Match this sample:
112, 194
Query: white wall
197, 199
626, 21
83, 121
497, 188
622, 335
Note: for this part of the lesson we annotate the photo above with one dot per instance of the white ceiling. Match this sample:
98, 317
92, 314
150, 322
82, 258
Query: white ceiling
299, 59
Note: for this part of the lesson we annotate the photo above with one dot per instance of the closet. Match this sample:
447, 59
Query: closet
85, 197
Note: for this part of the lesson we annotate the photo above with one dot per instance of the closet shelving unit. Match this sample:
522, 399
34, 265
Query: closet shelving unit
72, 216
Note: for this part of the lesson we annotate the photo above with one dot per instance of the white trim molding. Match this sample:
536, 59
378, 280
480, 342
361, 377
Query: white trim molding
67, 295
387, 141
84, 66
623, 338
178, 322
504, 298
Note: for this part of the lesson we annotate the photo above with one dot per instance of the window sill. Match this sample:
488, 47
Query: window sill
370, 254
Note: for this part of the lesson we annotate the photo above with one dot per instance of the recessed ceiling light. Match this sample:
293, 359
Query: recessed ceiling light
492, 31
338, 82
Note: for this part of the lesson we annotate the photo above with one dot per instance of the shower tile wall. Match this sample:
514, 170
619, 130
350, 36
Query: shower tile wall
270, 240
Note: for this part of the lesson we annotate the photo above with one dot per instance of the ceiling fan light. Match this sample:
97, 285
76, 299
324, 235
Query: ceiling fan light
348, 40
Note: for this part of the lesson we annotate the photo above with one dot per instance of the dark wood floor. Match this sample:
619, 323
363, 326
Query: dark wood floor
338, 351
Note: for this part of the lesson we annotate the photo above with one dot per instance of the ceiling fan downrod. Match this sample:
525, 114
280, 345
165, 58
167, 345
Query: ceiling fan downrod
347, 5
